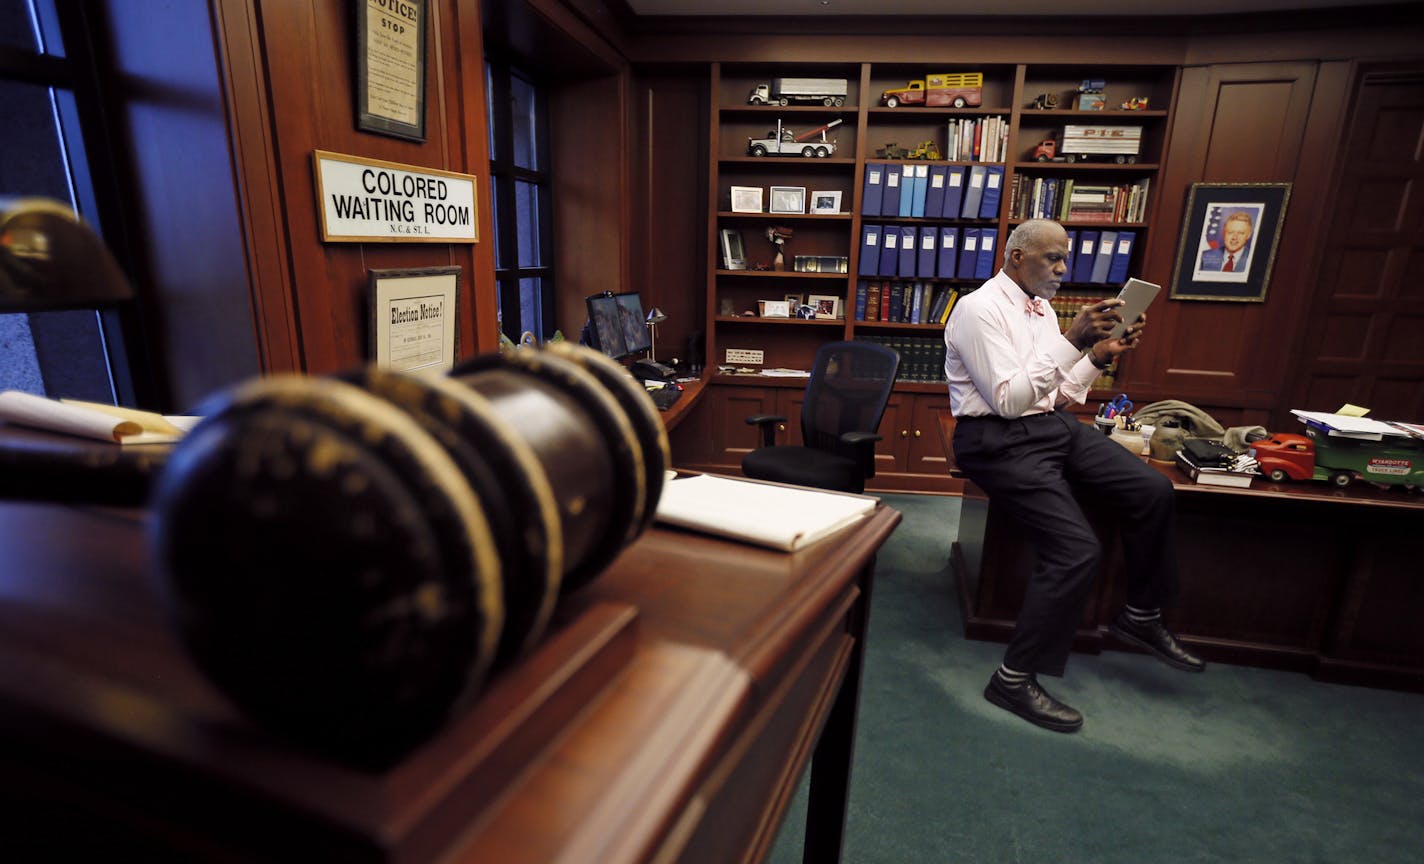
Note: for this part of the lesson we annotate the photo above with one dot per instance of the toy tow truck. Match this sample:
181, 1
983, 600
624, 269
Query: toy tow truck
783, 142
1387, 454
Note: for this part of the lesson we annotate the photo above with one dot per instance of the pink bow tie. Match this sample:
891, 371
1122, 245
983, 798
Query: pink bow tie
1034, 305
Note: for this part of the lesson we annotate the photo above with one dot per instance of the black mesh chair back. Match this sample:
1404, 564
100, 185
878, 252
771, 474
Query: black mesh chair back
845, 399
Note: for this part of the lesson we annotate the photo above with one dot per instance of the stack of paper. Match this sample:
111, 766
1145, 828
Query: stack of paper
767, 514
92, 419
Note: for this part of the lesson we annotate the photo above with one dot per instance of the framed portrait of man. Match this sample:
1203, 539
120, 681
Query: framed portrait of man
1228, 242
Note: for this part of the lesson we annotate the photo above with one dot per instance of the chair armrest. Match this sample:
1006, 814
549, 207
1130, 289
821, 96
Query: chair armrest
861, 447
767, 422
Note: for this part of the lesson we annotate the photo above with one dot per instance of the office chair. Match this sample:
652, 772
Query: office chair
845, 399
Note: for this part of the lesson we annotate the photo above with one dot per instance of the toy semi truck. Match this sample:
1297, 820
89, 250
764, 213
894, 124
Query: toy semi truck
783, 142
957, 89
1120, 144
784, 91
1392, 460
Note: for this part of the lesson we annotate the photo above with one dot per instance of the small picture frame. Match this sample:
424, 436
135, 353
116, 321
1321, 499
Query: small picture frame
787, 199
746, 199
827, 306
826, 202
773, 309
795, 300
415, 319
734, 253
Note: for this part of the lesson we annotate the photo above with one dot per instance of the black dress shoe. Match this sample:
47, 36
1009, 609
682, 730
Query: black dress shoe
1029, 701
1154, 638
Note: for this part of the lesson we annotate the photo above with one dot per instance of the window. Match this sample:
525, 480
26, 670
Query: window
522, 190
77, 353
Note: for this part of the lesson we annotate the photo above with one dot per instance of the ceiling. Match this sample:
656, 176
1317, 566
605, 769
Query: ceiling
1000, 8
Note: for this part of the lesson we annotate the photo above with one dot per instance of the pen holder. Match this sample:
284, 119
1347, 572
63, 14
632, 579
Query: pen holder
1105, 425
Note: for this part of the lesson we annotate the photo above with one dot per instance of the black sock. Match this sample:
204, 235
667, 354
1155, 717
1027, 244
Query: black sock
1142, 616
1010, 677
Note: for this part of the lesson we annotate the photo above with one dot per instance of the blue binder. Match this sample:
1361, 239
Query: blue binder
869, 250
973, 192
993, 188
872, 189
929, 246
890, 196
948, 252
922, 190
1102, 259
934, 195
1072, 254
889, 250
1083, 261
968, 254
1121, 256
953, 191
984, 266
907, 189
908, 236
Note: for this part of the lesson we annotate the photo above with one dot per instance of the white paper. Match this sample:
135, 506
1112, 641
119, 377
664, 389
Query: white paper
782, 517
92, 420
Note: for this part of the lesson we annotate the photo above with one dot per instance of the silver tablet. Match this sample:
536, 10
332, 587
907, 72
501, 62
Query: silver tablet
1136, 295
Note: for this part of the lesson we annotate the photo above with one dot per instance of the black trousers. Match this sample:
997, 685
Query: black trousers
1035, 469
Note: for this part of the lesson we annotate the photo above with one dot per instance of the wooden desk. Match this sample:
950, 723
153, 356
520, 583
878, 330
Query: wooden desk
1301, 576
691, 392
706, 675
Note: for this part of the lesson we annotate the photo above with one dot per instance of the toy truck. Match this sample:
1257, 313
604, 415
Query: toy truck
784, 91
1318, 455
1120, 144
957, 89
783, 142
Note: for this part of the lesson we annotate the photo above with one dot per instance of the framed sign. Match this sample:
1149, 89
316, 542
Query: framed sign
364, 200
390, 67
1229, 240
415, 319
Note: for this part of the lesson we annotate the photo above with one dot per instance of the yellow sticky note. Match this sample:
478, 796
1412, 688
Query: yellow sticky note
1352, 410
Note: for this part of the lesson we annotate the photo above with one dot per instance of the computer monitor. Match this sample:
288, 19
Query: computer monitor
618, 327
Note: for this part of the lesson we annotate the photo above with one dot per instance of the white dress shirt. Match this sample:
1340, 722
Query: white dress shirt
1002, 358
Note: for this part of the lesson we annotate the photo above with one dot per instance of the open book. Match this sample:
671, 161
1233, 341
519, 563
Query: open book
767, 514
93, 420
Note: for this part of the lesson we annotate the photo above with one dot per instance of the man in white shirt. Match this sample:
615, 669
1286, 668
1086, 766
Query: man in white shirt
1010, 373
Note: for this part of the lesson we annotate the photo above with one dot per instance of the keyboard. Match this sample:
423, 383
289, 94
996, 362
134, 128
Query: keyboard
665, 397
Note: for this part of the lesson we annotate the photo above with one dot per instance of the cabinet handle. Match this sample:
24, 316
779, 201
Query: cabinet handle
904, 433
917, 433
781, 427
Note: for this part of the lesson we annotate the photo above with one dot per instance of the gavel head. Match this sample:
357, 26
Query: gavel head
349, 558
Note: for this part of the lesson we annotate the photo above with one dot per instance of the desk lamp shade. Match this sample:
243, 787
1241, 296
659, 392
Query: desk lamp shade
655, 317
49, 259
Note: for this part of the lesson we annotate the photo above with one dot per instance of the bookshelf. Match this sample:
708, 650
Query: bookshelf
874, 140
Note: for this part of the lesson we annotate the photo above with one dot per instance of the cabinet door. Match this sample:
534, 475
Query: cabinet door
729, 408
788, 405
927, 451
894, 431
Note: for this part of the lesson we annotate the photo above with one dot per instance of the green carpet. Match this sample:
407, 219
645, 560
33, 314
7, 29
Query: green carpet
1234, 765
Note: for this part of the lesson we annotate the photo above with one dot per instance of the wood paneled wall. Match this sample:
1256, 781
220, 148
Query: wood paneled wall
224, 104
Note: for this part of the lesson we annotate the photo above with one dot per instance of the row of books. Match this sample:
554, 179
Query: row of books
927, 251
932, 191
1067, 200
921, 357
904, 302
983, 139
1066, 307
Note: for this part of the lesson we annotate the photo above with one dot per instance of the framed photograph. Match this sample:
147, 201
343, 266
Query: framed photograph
415, 318
734, 254
787, 199
826, 202
1229, 240
390, 68
826, 305
794, 300
773, 309
746, 199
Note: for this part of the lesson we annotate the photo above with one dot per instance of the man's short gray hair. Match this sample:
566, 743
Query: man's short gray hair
1029, 234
